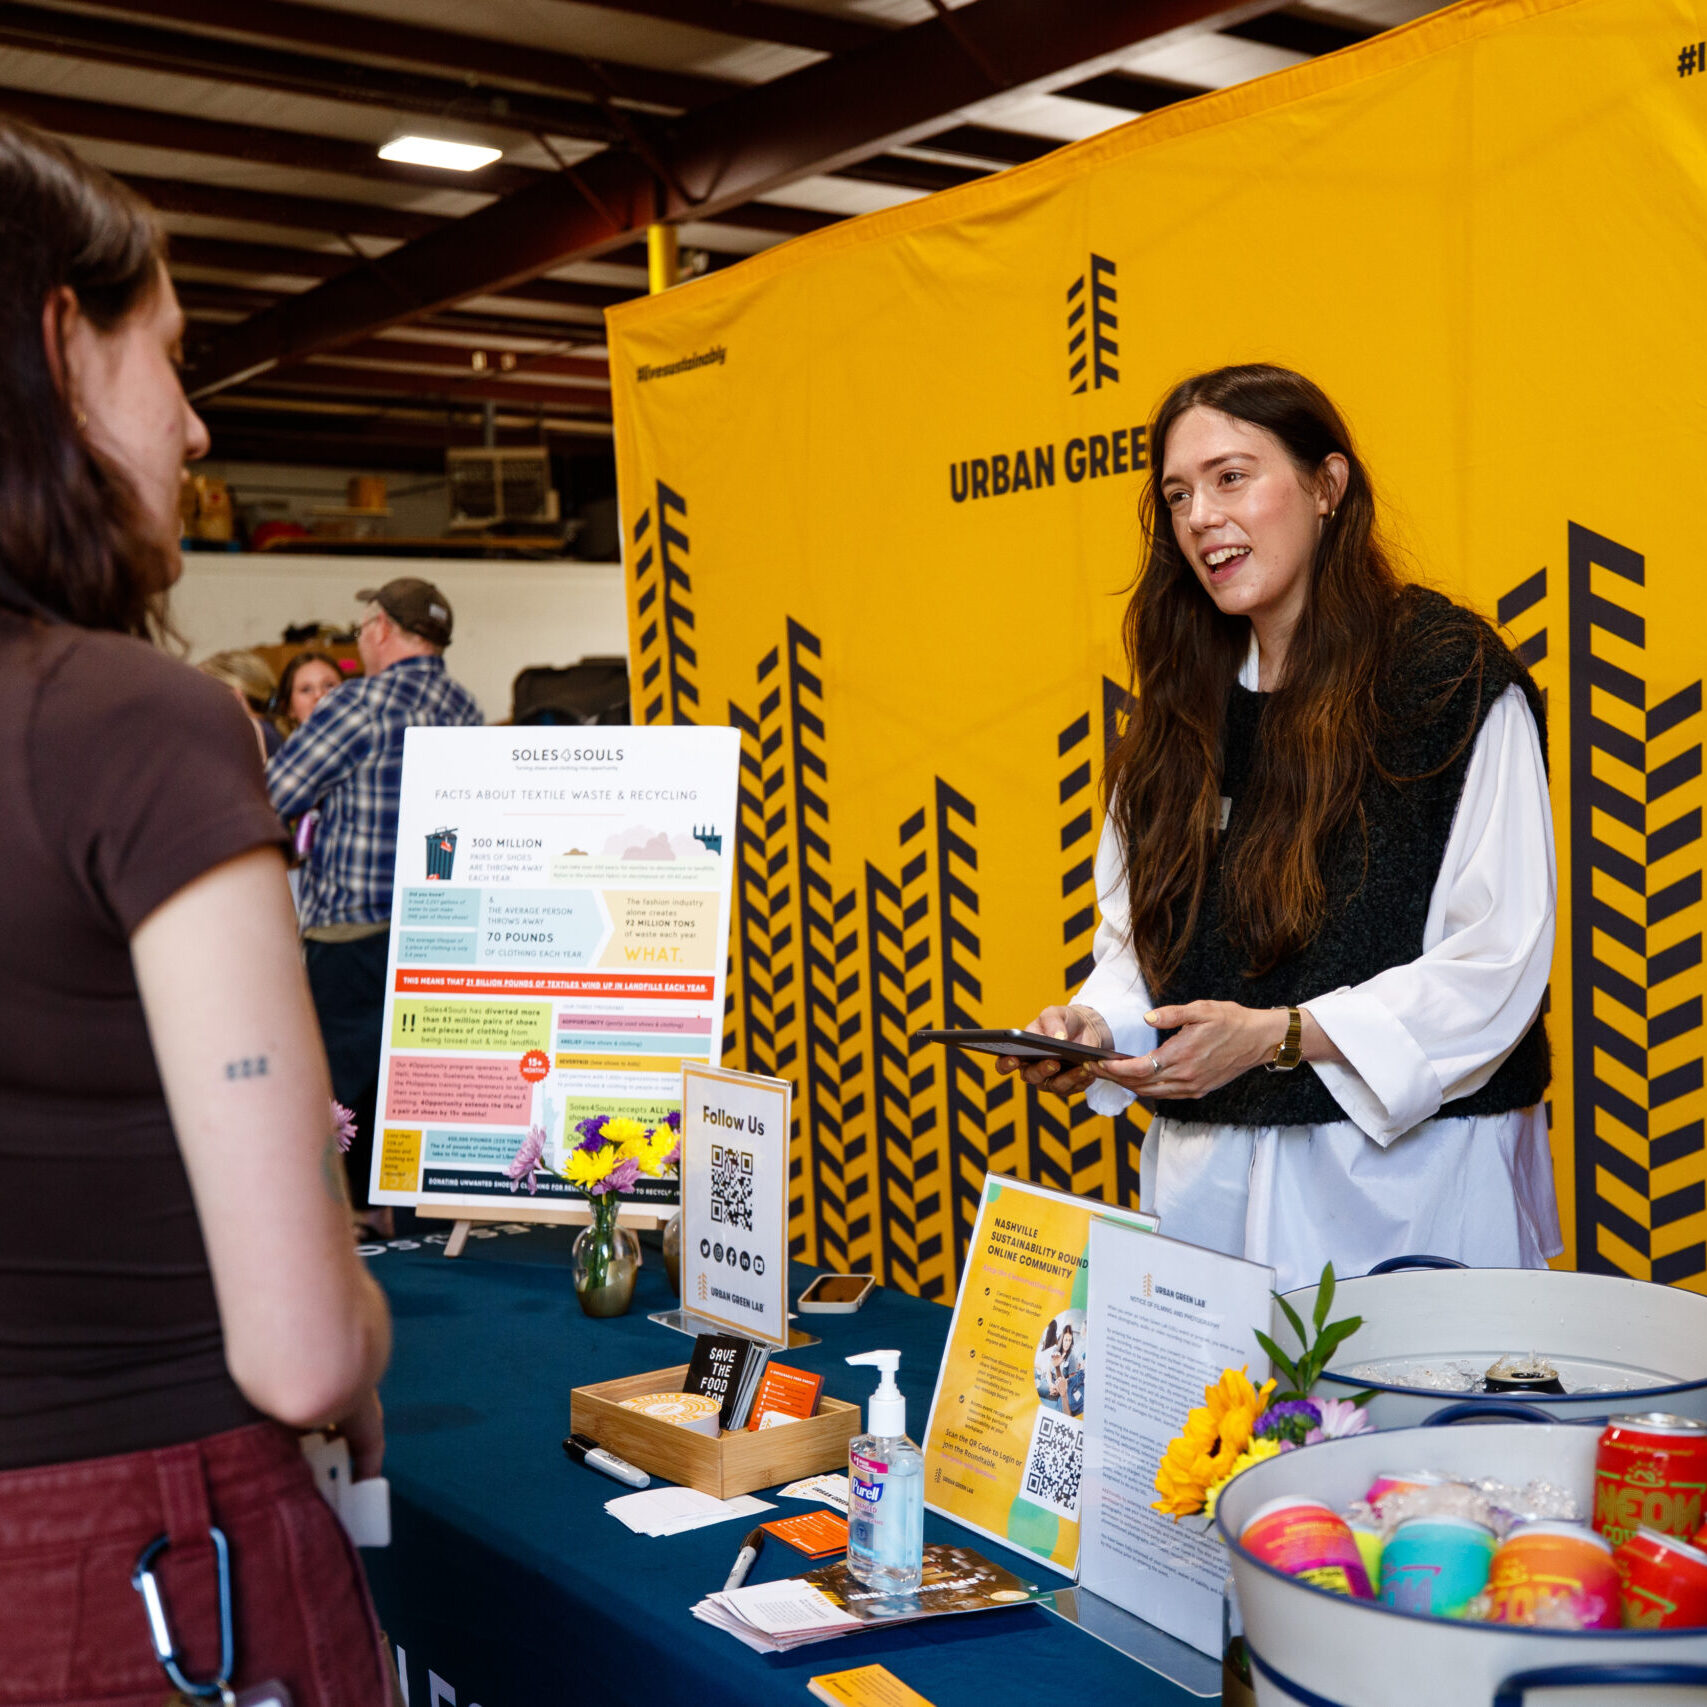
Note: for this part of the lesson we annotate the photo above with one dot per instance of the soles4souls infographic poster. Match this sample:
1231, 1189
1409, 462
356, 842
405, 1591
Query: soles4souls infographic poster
559, 935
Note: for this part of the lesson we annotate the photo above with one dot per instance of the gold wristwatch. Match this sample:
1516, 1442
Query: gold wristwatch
1288, 1054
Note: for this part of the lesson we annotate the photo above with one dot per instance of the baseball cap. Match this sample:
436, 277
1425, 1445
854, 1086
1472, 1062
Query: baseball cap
415, 605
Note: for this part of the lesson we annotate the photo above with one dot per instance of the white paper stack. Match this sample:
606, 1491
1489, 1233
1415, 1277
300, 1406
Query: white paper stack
672, 1511
772, 1618
825, 1490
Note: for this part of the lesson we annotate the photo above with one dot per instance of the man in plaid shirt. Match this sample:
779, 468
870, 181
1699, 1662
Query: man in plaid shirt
346, 762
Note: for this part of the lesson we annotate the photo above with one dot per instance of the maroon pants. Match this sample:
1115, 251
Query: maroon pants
73, 1632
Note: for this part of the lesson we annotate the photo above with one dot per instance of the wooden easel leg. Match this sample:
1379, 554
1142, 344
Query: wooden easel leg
458, 1238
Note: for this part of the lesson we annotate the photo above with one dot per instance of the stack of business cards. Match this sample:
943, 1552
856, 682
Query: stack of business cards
672, 1511
725, 1368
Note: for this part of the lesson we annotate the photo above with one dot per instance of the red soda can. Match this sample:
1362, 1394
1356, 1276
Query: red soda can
1650, 1472
1665, 1582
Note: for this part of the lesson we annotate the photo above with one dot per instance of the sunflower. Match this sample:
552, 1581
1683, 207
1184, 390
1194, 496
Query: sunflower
1216, 1433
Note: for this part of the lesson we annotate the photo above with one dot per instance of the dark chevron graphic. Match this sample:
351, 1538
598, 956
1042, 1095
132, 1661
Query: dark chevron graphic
665, 686
1095, 331
957, 906
819, 1104
1636, 933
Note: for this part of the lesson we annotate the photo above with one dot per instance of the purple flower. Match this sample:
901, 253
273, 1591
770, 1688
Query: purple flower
592, 1133
1288, 1421
620, 1178
673, 1120
343, 1125
1340, 1417
525, 1163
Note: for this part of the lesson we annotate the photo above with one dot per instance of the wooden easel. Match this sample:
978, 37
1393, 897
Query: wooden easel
636, 1217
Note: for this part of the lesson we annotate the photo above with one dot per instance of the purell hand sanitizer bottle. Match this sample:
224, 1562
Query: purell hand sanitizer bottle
886, 1479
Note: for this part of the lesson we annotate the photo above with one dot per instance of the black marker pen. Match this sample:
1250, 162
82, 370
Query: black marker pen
594, 1456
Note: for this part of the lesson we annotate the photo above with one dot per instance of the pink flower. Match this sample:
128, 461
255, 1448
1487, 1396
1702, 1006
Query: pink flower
343, 1125
620, 1178
525, 1163
1340, 1417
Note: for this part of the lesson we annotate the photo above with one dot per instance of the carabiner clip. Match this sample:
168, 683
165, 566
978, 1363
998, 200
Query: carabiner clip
160, 1629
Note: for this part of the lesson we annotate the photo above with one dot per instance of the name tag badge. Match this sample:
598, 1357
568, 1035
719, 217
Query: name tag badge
1226, 810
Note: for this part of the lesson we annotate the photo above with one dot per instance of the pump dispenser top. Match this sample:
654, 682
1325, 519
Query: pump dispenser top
886, 1417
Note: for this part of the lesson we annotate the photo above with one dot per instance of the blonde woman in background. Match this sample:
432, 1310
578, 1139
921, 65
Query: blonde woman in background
253, 685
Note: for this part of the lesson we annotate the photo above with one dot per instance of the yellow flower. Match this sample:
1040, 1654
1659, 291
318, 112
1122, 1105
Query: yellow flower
584, 1170
650, 1152
1215, 1434
629, 1136
1255, 1453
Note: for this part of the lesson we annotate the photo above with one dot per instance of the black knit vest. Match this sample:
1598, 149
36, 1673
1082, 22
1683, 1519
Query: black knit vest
1377, 907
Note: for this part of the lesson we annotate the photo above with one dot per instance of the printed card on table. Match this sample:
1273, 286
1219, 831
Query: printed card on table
734, 1174
1004, 1446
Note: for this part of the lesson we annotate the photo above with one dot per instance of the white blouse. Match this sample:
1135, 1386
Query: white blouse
1389, 1179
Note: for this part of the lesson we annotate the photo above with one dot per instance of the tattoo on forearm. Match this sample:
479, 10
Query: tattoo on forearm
247, 1067
332, 1171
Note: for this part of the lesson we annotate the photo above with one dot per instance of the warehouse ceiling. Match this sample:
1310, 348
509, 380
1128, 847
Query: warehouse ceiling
349, 309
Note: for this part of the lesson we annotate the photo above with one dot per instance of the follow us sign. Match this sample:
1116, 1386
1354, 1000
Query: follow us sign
734, 1174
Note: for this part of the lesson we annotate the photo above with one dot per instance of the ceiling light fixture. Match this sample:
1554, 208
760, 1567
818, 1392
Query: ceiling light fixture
434, 151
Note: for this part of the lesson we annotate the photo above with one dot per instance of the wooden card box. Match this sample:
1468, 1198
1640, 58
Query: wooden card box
734, 1463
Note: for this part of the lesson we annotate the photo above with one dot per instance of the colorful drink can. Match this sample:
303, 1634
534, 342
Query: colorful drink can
1665, 1582
1650, 1472
1436, 1565
1403, 1481
1309, 1540
1368, 1539
1546, 1569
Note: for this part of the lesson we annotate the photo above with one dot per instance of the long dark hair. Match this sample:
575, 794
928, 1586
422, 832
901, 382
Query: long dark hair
279, 707
1319, 726
73, 542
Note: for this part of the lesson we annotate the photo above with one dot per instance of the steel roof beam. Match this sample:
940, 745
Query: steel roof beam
577, 401
829, 115
148, 127
110, 41
269, 207
755, 20
391, 41
455, 359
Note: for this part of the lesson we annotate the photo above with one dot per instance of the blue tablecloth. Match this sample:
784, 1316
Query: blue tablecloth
507, 1584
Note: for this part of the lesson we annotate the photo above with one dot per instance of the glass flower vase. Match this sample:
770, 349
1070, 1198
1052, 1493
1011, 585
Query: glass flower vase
606, 1259
672, 1243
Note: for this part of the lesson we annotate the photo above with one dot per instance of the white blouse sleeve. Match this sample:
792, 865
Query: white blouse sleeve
1437, 1028
1115, 987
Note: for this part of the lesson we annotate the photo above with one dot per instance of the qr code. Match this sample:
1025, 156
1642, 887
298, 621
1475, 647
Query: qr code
1052, 1465
732, 1186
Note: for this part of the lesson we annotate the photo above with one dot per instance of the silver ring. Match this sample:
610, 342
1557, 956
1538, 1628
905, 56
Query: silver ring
1155, 1071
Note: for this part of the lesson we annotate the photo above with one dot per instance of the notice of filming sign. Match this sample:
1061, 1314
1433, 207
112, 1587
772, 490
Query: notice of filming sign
734, 1177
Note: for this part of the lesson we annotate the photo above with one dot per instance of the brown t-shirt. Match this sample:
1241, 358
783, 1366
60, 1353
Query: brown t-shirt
124, 775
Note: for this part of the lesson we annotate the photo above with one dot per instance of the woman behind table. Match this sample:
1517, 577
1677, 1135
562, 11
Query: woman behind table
1327, 878
178, 1292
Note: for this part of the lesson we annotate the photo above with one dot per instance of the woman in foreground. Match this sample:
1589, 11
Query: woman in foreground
178, 1291
1327, 876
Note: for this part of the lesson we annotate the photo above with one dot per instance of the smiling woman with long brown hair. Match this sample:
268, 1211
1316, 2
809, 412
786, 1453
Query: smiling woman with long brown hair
1328, 855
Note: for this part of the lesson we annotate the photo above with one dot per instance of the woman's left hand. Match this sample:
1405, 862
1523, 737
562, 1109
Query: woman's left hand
1215, 1043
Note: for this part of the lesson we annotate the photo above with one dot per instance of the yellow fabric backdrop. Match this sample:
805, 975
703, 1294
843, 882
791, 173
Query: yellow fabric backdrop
880, 509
